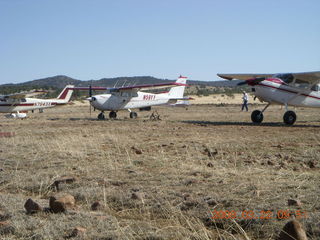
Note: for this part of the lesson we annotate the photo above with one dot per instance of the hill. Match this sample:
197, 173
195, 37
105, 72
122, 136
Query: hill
60, 81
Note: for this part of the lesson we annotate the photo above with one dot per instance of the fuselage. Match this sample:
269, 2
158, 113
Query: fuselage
27, 104
276, 91
128, 100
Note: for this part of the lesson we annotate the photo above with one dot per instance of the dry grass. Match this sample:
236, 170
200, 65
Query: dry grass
190, 160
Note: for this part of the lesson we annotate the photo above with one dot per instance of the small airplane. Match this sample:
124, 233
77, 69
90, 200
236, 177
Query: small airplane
129, 97
284, 89
18, 104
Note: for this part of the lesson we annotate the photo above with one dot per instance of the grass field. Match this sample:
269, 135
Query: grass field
162, 179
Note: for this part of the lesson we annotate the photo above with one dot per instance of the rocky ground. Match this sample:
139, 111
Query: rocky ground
65, 175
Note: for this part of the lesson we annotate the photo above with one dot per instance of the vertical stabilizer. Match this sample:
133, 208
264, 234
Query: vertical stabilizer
66, 94
178, 91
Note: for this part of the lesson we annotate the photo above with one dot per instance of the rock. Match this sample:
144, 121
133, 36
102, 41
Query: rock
294, 202
137, 151
6, 228
210, 201
65, 179
311, 164
210, 164
61, 202
96, 206
292, 231
32, 207
270, 163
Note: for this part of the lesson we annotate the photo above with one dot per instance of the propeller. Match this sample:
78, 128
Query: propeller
90, 96
252, 81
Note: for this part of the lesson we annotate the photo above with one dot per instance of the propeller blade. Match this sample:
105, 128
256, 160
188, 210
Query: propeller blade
242, 83
252, 81
90, 95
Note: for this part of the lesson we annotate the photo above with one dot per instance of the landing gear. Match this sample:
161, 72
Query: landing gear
257, 116
113, 115
289, 117
133, 115
101, 116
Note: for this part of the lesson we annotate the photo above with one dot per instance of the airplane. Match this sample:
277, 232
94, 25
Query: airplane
130, 97
282, 88
18, 104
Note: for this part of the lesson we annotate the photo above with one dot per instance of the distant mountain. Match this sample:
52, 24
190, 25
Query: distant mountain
60, 81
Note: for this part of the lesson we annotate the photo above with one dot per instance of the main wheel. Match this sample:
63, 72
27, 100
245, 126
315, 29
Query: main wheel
101, 116
257, 116
133, 115
289, 117
113, 115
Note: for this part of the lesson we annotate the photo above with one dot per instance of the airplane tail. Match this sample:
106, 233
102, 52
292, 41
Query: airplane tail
66, 94
177, 92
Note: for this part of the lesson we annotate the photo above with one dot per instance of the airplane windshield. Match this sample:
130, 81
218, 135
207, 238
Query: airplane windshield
286, 77
315, 87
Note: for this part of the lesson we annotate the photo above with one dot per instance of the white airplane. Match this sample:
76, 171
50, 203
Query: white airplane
282, 89
18, 104
130, 97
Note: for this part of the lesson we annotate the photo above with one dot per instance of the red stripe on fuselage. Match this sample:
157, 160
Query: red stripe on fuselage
23, 104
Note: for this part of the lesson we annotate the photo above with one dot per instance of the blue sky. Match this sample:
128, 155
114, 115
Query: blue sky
92, 39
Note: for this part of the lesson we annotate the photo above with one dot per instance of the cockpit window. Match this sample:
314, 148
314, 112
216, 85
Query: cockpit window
286, 77
315, 87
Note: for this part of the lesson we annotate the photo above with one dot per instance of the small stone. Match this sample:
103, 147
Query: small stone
294, 202
270, 163
311, 164
136, 150
61, 202
96, 206
32, 207
210, 164
293, 231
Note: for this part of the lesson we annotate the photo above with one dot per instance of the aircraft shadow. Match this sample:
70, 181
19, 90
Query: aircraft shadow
266, 124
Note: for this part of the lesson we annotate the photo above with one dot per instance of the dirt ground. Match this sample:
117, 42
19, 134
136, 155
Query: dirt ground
167, 179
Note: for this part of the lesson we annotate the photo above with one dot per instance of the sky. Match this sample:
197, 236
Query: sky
94, 39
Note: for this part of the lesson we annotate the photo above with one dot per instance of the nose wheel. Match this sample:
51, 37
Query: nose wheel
133, 115
289, 117
101, 116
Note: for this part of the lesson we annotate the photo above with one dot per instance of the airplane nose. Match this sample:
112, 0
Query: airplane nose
91, 99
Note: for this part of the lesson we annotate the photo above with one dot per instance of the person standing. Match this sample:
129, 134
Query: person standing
245, 99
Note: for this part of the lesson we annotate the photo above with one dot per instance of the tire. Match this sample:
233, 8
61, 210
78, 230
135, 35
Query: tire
101, 116
257, 116
133, 115
289, 117
113, 115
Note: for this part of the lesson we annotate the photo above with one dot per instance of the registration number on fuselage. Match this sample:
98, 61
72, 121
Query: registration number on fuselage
42, 104
149, 97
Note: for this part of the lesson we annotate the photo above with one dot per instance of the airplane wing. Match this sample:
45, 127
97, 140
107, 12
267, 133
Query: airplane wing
302, 77
244, 76
146, 87
22, 94
307, 77
133, 88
